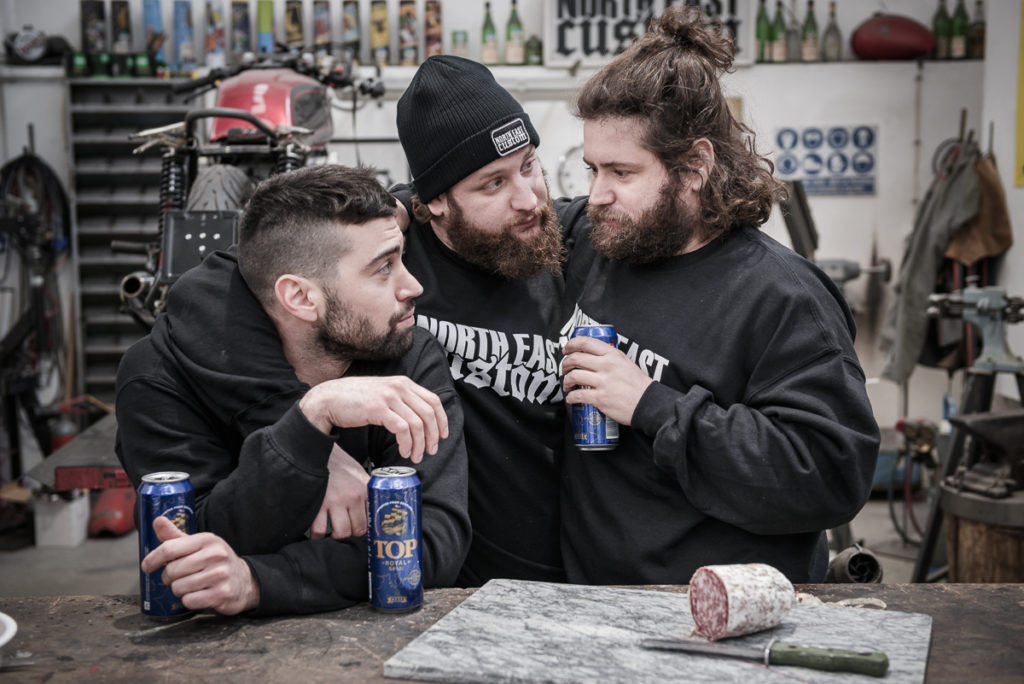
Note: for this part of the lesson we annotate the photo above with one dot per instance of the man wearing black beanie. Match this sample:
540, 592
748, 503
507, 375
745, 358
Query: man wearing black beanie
486, 244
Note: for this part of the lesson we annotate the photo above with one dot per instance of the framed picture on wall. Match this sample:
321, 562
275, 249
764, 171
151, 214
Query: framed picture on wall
591, 32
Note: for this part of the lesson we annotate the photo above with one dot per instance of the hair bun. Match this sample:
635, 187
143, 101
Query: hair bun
684, 26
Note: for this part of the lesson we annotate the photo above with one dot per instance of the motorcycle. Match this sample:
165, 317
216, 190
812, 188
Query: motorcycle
270, 116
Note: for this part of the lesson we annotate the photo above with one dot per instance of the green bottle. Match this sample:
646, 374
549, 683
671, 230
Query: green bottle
534, 51
809, 46
832, 40
764, 34
488, 39
961, 29
794, 41
942, 28
515, 43
976, 43
779, 34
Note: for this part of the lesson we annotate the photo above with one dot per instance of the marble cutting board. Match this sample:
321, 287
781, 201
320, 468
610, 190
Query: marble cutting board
517, 631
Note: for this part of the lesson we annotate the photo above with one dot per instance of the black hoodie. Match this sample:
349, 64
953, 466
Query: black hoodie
188, 399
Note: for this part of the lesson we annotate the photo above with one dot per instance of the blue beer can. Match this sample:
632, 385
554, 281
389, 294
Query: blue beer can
591, 429
394, 539
169, 494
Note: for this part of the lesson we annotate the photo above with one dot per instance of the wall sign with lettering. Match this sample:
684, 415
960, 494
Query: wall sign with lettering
591, 32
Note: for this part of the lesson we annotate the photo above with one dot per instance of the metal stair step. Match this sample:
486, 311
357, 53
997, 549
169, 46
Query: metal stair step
100, 294
173, 112
109, 351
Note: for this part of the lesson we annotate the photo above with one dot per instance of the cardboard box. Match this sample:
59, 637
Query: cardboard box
60, 522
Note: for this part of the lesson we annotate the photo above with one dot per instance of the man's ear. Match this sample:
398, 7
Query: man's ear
439, 205
299, 297
702, 160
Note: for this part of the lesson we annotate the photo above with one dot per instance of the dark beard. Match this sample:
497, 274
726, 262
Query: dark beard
504, 252
348, 337
662, 231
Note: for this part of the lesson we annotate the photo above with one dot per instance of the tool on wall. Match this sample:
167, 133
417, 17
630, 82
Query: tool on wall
990, 310
34, 222
804, 237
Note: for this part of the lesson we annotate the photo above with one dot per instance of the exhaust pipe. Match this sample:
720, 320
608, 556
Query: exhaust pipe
854, 565
136, 285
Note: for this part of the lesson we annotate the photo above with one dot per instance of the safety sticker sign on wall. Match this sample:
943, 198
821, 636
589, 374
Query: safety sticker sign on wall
830, 160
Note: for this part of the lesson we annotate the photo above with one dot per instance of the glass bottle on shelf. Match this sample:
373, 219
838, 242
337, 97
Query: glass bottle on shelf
488, 39
515, 46
831, 40
942, 29
460, 44
793, 35
763, 34
534, 51
976, 40
809, 46
779, 34
960, 30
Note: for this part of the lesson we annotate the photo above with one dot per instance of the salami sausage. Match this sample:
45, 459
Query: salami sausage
731, 600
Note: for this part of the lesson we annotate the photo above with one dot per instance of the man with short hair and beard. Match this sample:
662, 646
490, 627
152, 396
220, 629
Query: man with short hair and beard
319, 302
487, 246
746, 431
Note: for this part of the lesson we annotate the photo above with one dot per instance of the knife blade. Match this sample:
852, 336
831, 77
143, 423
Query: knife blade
872, 663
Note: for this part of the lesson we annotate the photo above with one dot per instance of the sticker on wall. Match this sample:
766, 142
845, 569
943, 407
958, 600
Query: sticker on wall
830, 160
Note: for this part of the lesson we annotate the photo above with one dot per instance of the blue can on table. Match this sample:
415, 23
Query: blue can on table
394, 539
591, 429
168, 494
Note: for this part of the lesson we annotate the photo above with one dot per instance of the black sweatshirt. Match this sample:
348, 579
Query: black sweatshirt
756, 435
499, 334
209, 392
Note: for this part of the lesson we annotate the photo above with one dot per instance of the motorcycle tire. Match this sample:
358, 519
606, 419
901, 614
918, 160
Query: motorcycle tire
219, 187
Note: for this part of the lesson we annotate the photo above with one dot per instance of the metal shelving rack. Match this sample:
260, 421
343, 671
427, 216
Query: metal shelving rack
116, 197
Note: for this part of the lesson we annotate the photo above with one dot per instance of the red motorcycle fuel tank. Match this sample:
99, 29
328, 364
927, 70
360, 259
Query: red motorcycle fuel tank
278, 97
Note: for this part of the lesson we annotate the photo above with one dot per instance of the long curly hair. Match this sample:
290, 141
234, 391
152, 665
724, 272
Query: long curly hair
668, 80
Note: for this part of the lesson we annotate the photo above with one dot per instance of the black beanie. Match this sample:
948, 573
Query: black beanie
453, 119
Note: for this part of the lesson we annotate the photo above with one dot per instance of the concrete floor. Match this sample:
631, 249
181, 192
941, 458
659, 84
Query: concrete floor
110, 565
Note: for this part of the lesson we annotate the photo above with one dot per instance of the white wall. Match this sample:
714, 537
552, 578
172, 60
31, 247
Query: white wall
881, 94
1001, 85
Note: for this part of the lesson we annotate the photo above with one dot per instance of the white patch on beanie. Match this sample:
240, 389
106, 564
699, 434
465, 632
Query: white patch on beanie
510, 137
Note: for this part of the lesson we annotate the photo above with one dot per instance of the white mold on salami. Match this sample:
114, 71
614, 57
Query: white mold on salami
732, 600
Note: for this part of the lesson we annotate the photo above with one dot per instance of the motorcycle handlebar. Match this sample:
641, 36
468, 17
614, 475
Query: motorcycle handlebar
227, 113
198, 83
339, 76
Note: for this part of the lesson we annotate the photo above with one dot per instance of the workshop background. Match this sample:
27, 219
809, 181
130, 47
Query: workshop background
885, 124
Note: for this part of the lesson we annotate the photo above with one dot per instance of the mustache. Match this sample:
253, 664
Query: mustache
403, 313
524, 216
604, 214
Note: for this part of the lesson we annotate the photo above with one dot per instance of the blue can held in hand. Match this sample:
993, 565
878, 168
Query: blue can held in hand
592, 430
168, 494
394, 539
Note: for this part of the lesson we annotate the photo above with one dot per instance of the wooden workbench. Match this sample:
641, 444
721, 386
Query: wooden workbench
977, 636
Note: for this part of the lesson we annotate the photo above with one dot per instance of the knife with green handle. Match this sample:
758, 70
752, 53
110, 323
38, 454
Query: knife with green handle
871, 663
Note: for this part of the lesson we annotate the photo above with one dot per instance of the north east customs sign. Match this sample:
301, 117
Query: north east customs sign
591, 32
